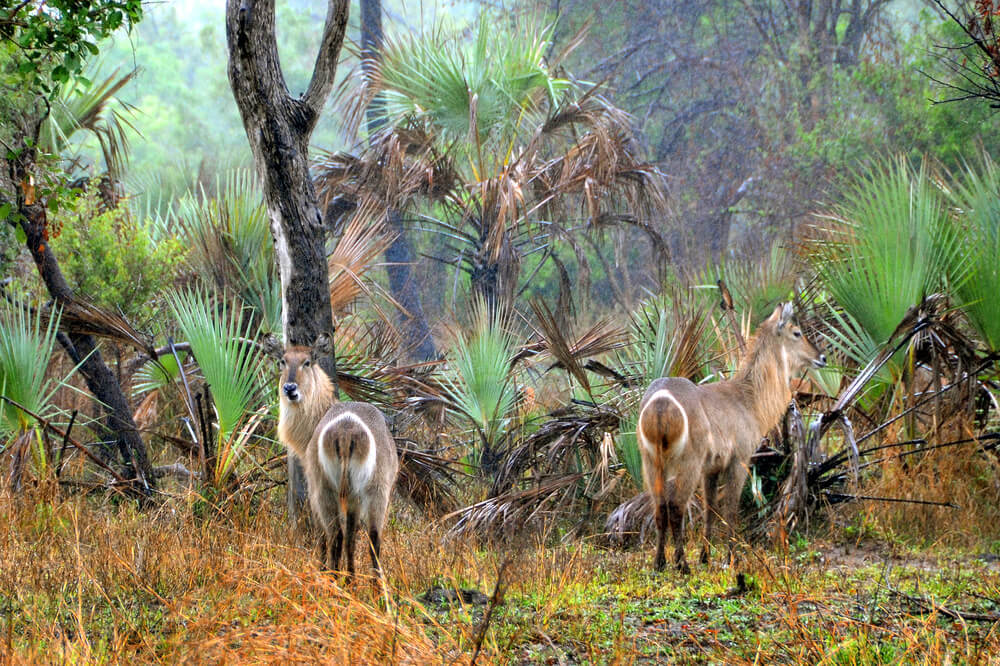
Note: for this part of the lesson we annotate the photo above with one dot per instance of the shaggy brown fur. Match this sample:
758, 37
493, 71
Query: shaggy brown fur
690, 434
346, 449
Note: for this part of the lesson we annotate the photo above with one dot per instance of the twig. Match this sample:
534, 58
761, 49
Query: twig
485, 624
62, 451
841, 497
45, 424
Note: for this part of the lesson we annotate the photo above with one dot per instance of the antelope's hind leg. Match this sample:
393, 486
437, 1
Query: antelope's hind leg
375, 547
712, 512
660, 518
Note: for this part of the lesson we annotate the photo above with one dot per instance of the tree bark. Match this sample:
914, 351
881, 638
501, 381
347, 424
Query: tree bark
278, 127
399, 256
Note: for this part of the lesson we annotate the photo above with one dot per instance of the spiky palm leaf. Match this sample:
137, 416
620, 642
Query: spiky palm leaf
231, 244
84, 106
231, 365
976, 198
887, 246
479, 380
26, 346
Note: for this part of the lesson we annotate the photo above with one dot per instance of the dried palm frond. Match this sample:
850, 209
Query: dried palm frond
567, 443
427, 479
85, 318
631, 521
516, 510
353, 256
601, 338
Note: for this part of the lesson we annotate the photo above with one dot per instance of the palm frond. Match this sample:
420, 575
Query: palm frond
479, 381
231, 365
887, 246
83, 106
26, 345
976, 199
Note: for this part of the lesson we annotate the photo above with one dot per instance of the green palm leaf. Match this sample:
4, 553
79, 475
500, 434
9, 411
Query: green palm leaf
25, 351
977, 201
480, 381
889, 244
231, 364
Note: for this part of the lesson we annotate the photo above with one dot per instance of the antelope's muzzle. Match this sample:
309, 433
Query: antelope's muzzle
291, 390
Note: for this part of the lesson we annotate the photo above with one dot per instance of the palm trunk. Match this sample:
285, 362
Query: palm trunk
399, 256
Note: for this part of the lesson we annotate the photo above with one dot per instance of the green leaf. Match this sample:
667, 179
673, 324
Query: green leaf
4, 211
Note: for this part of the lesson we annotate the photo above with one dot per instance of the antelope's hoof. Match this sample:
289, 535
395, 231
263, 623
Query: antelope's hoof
683, 567
704, 556
660, 564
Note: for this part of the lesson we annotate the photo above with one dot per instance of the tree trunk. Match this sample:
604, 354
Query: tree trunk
278, 127
118, 431
399, 256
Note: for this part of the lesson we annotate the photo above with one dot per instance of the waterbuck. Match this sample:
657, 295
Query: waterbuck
346, 449
693, 434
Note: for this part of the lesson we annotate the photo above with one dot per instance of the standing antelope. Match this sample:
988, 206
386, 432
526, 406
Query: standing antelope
346, 449
690, 434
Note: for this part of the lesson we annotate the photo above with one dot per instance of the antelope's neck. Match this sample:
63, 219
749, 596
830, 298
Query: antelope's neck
764, 378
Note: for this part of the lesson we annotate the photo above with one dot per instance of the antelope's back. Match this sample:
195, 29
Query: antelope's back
374, 420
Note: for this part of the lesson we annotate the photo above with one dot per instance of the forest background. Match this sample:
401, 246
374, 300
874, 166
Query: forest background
532, 209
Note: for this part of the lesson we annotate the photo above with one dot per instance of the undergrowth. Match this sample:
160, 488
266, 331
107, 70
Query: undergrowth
88, 581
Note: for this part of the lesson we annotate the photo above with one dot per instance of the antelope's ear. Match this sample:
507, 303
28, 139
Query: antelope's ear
322, 347
787, 314
272, 346
776, 315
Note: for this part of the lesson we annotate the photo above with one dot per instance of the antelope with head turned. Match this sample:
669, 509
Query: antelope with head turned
693, 434
346, 449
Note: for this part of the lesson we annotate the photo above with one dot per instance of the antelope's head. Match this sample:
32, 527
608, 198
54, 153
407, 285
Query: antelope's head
301, 376
799, 351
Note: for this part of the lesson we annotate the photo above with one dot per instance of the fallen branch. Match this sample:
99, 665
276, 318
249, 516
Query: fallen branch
931, 605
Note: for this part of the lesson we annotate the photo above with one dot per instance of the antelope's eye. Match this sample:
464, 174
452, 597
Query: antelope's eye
281, 363
307, 363
797, 333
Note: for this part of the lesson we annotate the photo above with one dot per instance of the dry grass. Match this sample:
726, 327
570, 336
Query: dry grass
88, 581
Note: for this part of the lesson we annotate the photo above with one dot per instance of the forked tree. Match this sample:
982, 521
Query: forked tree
278, 126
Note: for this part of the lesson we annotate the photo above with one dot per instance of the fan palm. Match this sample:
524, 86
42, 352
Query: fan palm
233, 369
886, 247
25, 351
82, 105
480, 381
231, 244
977, 200
494, 146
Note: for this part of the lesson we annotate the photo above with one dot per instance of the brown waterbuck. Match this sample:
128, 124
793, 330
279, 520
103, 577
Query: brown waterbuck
691, 435
346, 449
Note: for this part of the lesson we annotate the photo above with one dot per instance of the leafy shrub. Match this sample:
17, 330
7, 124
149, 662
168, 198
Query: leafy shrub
110, 259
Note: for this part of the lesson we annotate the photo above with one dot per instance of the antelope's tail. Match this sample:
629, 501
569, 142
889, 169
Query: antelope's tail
662, 432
